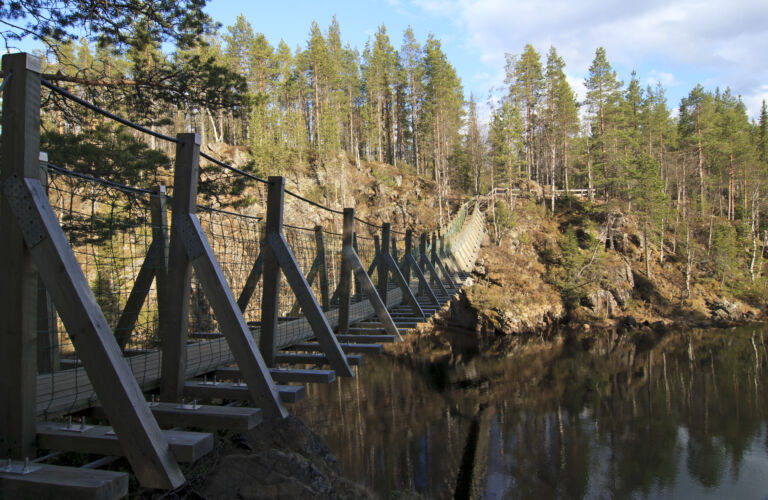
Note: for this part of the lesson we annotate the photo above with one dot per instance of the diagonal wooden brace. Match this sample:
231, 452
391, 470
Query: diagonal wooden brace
437, 261
433, 273
370, 291
138, 295
312, 311
250, 284
233, 326
407, 292
423, 283
145, 446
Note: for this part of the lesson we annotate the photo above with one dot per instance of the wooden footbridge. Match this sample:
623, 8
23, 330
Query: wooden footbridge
131, 315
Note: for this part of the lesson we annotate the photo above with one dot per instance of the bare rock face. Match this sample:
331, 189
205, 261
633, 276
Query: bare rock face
602, 303
725, 310
620, 283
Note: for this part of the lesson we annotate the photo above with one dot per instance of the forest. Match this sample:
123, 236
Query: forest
694, 173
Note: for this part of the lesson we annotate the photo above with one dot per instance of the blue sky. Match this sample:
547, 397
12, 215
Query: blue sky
679, 43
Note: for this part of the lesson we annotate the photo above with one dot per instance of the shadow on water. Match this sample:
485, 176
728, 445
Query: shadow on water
678, 415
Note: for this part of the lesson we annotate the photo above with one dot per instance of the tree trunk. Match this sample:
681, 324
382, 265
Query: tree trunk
645, 249
554, 157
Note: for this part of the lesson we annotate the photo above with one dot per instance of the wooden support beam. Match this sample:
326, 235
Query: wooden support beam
438, 263
319, 268
370, 291
233, 326
367, 338
250, 283
210, 417
284, 375
358, 330
240, 392
433, 274
145, 447
47, 328
63, 483
130, 314
174, 324
159, 217
408, 295
358, 289
270, 299
18, 286
408, 250
383, 278
314, 359
345, 279
323, 262
278, 249
423, 285
348, 348
186, 446
376, 253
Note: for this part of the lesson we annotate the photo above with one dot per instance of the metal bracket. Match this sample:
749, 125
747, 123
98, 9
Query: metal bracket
17, 195
18, 468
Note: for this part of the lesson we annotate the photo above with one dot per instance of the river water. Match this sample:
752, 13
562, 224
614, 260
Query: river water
679, 415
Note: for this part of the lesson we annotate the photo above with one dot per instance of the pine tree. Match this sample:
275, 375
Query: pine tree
411, 62
525, 78
603, 99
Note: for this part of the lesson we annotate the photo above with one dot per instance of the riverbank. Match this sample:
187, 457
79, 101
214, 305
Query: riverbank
592, 266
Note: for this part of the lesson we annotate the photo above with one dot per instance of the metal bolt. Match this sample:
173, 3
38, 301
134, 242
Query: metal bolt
194, 403
205, 379
69, 422
26, 465
82, 423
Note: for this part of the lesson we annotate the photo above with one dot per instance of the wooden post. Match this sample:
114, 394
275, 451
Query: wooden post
253, 277
345, 278
420, 268
18, 286
159, 214
277, 248
393, 251
376, 253
47, 328
174, 325
427, 265
383, 283
358, 291
270, 301
324, 291
373, 296
145, 447
437, 261
408, 250
155, 266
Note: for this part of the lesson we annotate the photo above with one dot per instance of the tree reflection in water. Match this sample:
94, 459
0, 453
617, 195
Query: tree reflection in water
678, 415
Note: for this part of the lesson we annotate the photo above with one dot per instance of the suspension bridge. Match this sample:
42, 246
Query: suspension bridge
131, 314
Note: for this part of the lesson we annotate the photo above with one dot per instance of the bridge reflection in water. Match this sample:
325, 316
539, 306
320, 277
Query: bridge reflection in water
684, 419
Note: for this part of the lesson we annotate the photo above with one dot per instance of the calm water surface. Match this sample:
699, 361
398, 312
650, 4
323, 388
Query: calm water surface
681, 416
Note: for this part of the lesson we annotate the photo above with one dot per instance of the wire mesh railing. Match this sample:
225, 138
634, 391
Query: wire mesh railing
113, 229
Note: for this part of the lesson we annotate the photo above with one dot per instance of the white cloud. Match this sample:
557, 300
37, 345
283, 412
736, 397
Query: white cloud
666, 79
684, 41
